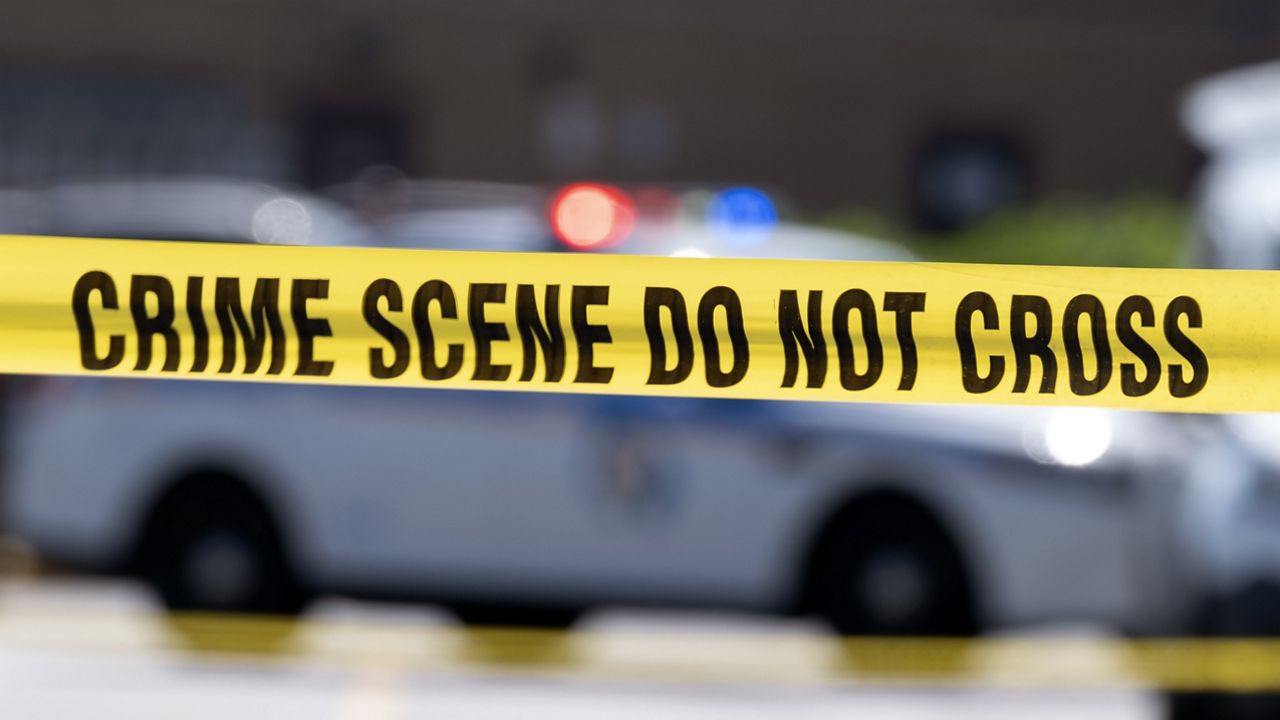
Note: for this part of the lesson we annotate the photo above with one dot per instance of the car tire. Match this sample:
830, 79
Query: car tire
212, 551
540, 617
890, 569
1247, 614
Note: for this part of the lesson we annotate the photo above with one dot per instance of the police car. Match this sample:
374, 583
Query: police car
533, 508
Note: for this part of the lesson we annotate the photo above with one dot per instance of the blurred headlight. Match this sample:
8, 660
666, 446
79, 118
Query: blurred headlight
1077, 436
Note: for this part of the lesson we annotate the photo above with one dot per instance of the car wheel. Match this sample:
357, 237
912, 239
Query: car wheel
1247, 614
516, 616
219, 552
891, 570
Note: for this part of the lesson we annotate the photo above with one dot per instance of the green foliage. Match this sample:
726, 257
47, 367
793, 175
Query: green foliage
1133, 232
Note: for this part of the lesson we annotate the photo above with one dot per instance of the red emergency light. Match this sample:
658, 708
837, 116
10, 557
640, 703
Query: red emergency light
589, 216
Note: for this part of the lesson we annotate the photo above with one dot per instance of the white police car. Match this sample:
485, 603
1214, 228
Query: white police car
531, 508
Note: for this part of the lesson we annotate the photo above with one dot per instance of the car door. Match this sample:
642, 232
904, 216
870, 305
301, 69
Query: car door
439, 489
683, 499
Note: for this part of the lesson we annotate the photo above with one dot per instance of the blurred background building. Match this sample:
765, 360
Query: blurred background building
972, 130
933, 113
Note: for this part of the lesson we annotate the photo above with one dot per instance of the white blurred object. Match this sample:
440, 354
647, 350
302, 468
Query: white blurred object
1259, 433
691, 252
1234, 108
1235, 118
185, 208
1226, 539
282, 221
1078, 436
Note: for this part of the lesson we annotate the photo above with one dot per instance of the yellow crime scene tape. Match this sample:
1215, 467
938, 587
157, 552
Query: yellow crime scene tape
1166, 340
720, 657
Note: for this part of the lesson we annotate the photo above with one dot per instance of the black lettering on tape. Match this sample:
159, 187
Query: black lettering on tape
550, 337
721, 296
373, 317
980, 303
811, 342
1130, 385
147, 326
100, 282
309, 328
485, 333
1179, 386
199, 328
439, 292
1027, 346
264, 308
588, 334
850, 300
903, 304
655, 299
1079, 307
